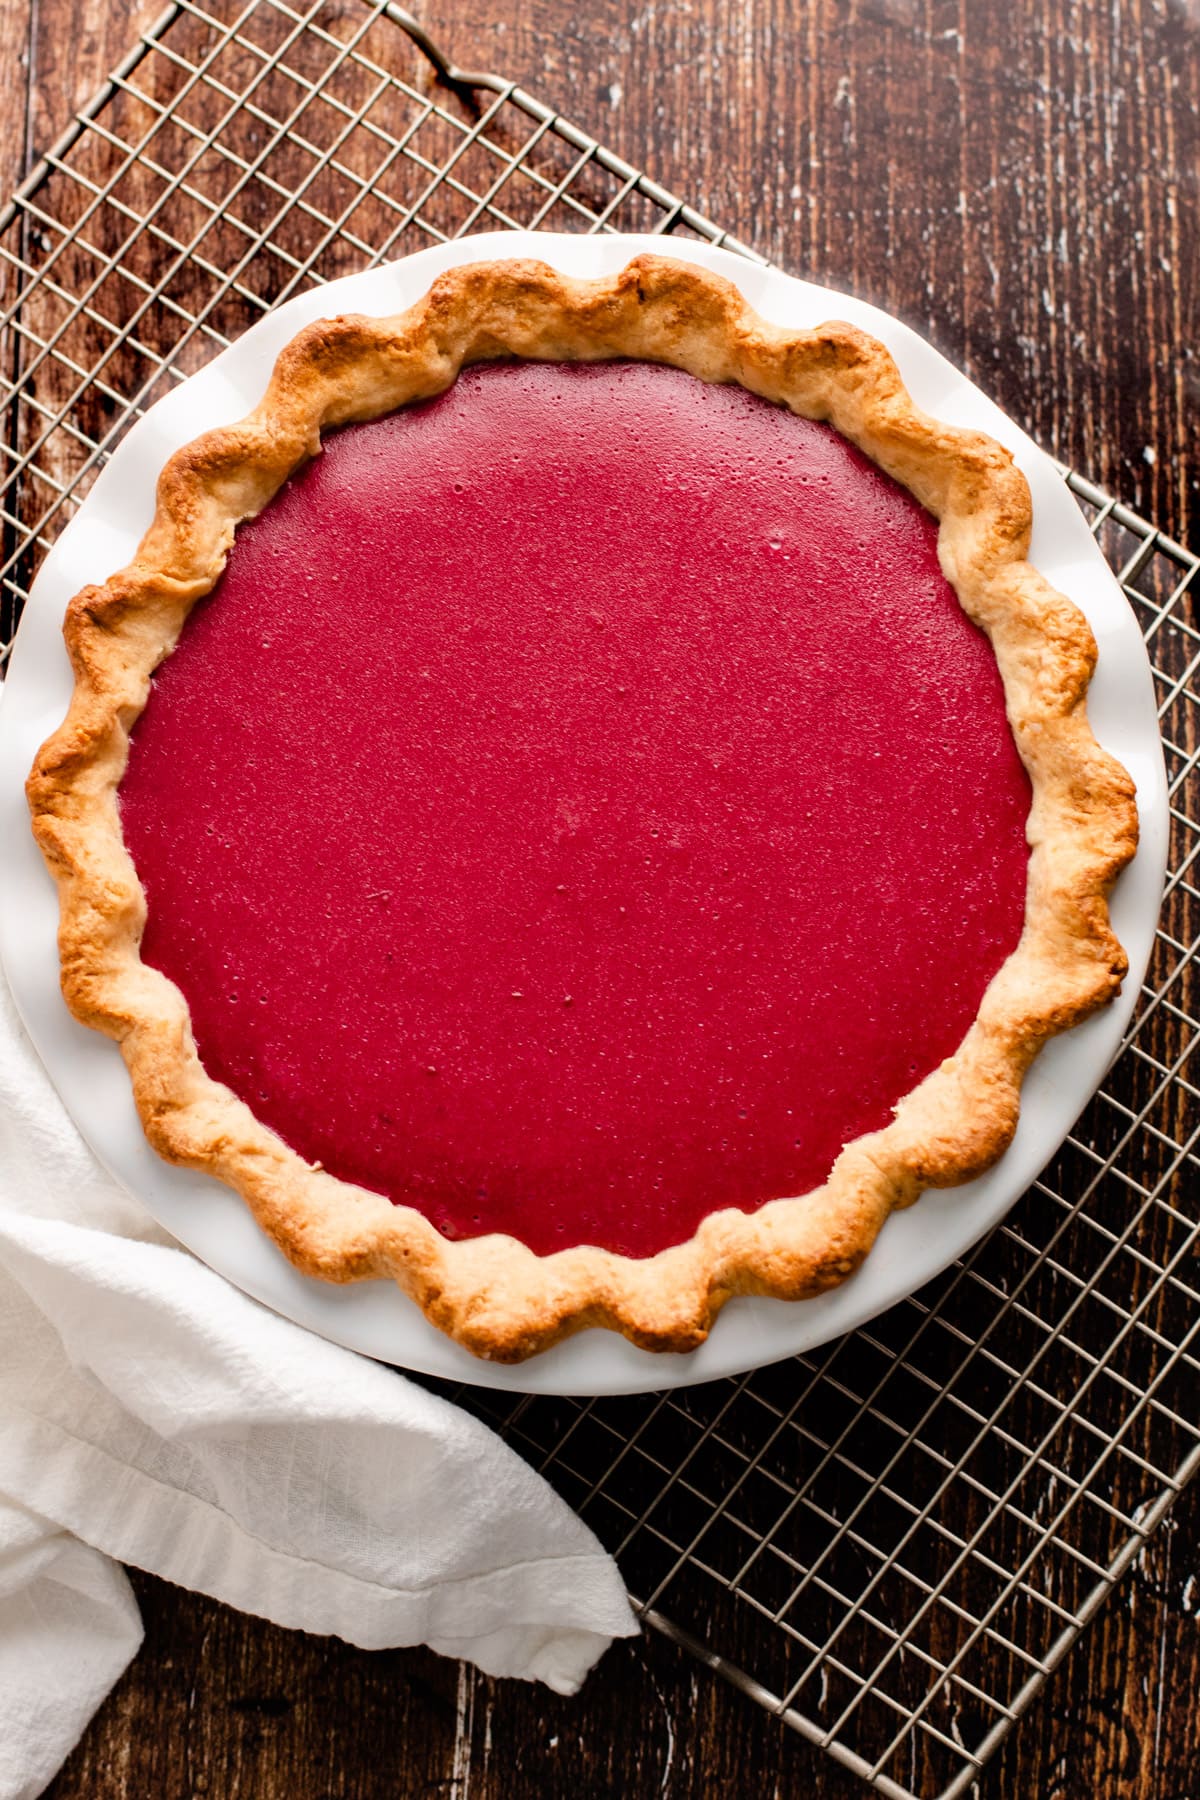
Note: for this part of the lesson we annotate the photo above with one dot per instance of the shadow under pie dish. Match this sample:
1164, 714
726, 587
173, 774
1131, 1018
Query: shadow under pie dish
582, 813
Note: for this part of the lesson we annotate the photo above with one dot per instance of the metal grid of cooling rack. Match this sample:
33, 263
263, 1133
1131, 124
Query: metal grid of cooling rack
891, 1541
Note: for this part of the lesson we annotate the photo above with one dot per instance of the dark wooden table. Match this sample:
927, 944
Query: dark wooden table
1022, 185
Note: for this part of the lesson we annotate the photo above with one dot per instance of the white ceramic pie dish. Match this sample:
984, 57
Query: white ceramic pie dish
375, 1317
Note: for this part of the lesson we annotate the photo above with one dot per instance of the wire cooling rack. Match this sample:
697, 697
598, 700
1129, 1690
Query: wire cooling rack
892, 1541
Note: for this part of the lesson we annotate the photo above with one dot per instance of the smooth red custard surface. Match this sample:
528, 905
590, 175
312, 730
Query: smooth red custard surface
581, 805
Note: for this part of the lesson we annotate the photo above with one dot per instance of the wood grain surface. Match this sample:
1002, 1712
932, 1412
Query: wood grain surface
1022, 184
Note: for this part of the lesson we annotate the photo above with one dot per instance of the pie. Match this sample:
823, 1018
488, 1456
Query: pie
576, 862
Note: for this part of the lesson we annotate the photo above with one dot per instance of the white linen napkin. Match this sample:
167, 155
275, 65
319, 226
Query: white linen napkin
152, 1414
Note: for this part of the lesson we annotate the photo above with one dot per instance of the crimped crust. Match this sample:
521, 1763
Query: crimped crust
492, 1293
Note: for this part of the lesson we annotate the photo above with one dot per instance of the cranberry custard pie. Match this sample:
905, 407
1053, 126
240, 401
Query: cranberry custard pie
580, 804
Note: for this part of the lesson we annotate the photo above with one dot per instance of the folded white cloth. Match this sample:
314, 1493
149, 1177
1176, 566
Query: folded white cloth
152, 1414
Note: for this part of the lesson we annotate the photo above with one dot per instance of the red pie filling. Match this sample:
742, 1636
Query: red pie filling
581, 805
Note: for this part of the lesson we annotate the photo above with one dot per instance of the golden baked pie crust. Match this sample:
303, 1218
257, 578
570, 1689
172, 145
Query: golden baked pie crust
492, 1293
